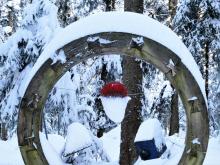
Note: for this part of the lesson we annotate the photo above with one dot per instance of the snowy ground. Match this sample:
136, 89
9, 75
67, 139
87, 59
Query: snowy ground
10, 154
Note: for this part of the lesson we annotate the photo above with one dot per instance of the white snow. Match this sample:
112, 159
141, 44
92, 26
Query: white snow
213, 152
77, 138
193, 98
10, 153
60, 56
7, 29
115, 107
196, 141
171, 62
138, 40
121, 22
111, 143
150, 129
50, 152
100, 40
171, 66
57, 142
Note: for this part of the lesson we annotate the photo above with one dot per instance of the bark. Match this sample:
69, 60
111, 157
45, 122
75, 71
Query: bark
206, 70
174, 119
58, 124
3, 132
172, 8
45, 126
136, 6
132, 78
11, 19
109, 5
64, 11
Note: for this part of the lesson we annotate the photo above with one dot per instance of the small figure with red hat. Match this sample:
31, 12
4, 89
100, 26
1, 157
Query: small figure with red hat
114, 96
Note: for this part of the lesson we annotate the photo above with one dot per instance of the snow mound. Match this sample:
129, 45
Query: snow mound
115, 107
57, 142
52, 154
78, 137
10, 153
111, 142
150, 129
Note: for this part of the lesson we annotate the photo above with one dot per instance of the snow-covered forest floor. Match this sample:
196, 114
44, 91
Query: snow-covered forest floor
10, 154
31, 32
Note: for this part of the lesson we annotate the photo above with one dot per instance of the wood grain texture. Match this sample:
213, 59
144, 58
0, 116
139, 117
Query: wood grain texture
32, 103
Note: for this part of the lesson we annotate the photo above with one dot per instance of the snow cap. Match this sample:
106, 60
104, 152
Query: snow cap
151, 129
114, 89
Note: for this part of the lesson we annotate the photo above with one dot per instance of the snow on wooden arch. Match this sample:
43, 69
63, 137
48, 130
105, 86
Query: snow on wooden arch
128, 34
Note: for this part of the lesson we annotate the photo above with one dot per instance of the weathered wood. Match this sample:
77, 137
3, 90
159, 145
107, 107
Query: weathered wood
132, 78
174, 118
32, 103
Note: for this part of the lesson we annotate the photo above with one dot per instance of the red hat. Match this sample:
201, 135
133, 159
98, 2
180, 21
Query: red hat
115, 89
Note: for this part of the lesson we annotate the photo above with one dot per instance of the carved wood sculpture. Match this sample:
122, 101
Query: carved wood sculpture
81, 49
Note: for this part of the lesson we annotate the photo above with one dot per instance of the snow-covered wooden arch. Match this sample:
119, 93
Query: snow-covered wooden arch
128, 34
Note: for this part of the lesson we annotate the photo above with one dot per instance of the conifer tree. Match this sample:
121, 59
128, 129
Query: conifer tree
19, 53
198, 23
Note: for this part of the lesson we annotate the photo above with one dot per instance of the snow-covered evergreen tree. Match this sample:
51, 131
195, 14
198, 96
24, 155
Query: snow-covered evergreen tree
157, 9
73, 99
77, 99
156, 99
19, 53
82, 147
9, 16
85, 7
198, 23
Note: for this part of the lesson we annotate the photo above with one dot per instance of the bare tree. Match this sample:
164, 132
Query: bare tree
109, 5
132, 78
3, 131
174, 118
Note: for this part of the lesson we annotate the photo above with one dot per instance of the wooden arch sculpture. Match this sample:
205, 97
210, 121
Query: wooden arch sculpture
114, 36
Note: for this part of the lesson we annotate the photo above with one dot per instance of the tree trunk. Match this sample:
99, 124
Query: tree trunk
105, 77
3, 132
109, 5
206, 70
58, 123
136, 6
11, 19
44, 125
172, 8
174, 119
64, 13
132, 78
